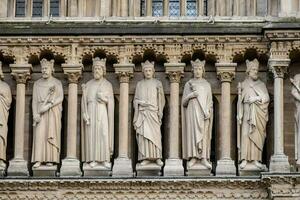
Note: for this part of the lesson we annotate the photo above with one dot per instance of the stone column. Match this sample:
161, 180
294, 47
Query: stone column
285, 8
123, 165
174, 165
166, 8
279, 161
225, 165
3, 9
183, 7
124, 8
71, 165
18, 165
149, 8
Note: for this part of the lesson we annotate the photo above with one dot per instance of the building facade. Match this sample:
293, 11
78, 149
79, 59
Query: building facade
171, 34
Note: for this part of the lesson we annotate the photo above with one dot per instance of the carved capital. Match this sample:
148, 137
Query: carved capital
21, 72
73, 72
124, 77
226, 71
278, 67
124, 72
175, 71
73, 77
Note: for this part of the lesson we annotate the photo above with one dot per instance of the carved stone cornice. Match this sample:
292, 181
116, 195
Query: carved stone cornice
135, 188
73, 72
226, 71
124, 72
279, 67
21, 72
175, 71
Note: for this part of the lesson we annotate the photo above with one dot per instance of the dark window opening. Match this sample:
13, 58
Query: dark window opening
20, 8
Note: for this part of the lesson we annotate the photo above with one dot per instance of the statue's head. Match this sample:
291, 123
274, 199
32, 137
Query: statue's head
47, 68
252, 69
198, 68
1, 72
148, 69
99, 68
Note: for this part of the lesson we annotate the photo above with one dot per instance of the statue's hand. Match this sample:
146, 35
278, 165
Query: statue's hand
86, 119
45, 108
254, 99
194, 94
36, 118
102, 97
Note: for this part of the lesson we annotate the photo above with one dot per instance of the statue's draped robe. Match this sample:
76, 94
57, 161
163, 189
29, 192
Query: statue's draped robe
47, 133
254, 117
197, 119
296, 94
98, 136
5, 101
147, 119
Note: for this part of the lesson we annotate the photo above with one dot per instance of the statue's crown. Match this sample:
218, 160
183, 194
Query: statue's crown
98, 61
147, 64
45, 62
198, 63
253, 63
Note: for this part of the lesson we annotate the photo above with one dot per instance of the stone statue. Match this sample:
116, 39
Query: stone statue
5, 101
252, 118
97, 107
47, 108
149, 102
296, 95
197, 118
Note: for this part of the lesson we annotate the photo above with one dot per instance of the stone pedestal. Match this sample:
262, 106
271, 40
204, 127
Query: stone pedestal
251, 170
45, 171
225, 165
123, 165
173, 165
2, 172
122, 168
198, 170
151, 169
279, 161
98, 170
70, 168
18, 165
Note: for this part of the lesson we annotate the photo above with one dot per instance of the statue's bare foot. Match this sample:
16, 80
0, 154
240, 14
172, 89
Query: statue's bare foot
93, 164
49, 164
258, 165
243, 164
206, 164
107, 165
159, 162
37, 165
192, 162
145, 162
2, 164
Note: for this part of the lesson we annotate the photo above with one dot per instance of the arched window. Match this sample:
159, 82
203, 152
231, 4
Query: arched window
37, 8
54, 8
174, 8
157, 8
20, 8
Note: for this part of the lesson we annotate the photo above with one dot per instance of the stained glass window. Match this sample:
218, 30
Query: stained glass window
20, 8
143, 8
174, 8
54, 8
37, 8
191, 8
157, 8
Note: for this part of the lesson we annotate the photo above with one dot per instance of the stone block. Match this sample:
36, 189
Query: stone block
98, 170
45, 171
151, 169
